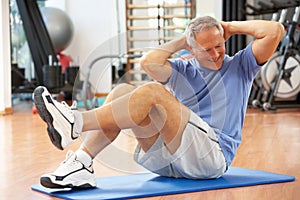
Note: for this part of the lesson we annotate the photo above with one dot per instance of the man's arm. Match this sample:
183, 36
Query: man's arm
155, 62
267, 36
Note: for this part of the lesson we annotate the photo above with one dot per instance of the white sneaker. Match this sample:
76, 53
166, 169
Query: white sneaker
70, 174
58, 116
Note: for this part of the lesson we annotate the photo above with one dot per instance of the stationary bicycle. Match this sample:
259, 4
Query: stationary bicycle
280, 76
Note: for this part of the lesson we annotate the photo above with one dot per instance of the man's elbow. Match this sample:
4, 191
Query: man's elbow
143, 61
278, 31
147, 65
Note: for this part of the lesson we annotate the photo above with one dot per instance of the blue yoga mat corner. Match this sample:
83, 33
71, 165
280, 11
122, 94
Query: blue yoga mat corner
149, 184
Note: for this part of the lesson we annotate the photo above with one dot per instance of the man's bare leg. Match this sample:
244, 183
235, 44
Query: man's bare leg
149, 110
146, 106
96, 141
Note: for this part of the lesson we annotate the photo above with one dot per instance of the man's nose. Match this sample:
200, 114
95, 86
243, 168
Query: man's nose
214, 53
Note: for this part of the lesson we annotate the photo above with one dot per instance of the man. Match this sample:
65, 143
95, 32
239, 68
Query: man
190, 130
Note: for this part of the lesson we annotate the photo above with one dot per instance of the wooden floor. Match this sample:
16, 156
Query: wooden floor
271, 142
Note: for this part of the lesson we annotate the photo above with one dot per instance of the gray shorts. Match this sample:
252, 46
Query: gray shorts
199, 155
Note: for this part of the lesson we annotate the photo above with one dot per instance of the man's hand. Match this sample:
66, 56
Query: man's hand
227, 34
186, 46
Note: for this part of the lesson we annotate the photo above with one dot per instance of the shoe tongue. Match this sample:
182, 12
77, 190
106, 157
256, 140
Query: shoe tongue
83, 157
74, 105
69, 154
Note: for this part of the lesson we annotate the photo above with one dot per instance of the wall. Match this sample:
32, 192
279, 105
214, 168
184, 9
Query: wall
95, 24
5, 64
212, 8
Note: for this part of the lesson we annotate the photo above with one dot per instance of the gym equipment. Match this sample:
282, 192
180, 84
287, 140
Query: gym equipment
266, 7
59, 26
290, 82
149, 184
86, 96
48, 31
280, 76
39, 42
17, 76
52, 76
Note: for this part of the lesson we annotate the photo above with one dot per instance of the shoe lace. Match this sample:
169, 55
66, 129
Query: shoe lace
70, 163
69, 156
69, 109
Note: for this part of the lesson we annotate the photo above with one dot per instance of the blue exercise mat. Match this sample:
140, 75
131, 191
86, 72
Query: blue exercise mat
148, 184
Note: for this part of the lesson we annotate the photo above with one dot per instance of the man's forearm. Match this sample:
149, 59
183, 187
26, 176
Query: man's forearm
155, 62
256, 28
161, 53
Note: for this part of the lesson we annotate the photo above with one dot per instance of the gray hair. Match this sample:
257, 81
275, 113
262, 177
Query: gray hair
200, 24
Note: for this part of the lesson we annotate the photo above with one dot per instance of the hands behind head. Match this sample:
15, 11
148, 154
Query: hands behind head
227, 34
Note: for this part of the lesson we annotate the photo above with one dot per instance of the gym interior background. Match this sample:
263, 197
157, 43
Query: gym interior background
65, 35
98, 28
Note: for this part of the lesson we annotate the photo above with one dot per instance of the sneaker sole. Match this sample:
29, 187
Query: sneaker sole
46, 182
54, 136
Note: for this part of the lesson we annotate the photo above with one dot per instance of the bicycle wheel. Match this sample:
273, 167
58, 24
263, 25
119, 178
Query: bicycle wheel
290, 83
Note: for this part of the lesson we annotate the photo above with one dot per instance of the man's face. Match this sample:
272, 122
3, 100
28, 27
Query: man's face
211, 48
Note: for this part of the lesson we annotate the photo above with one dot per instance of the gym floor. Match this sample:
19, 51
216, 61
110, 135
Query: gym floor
271, 142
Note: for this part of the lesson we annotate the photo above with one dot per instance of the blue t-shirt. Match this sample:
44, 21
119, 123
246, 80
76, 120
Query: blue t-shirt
219, 97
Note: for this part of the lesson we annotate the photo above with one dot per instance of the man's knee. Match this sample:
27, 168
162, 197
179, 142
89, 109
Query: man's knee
153, 89
124, 87
119, 90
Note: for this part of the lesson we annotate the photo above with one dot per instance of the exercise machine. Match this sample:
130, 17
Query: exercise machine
38, 38
278, 84
85, 93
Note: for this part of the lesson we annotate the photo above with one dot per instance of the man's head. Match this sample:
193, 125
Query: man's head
205, 37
